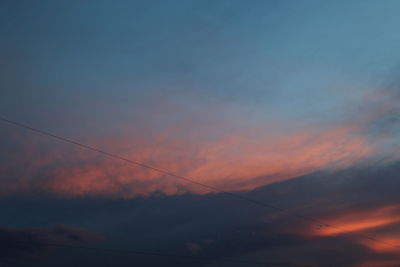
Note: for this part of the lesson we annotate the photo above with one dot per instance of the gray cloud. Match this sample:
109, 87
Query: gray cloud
28, 245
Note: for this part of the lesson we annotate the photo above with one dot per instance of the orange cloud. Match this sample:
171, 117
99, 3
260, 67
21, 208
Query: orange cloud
236, 161
356, 221
358, 224
387, 243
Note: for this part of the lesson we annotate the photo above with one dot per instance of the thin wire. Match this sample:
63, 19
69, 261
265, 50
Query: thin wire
209, 187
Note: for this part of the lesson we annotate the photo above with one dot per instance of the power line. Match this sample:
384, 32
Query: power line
209, 187
115, 156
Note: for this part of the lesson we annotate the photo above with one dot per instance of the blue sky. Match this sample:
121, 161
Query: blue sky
290, 59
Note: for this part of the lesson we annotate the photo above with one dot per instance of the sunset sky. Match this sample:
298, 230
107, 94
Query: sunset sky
289, 109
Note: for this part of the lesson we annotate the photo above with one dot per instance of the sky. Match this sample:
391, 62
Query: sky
288, 104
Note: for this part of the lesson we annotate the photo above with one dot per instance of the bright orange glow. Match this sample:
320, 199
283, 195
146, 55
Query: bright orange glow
354, 226
373, 222
355, 221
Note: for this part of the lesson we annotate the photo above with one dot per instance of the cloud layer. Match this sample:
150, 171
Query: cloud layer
235, 161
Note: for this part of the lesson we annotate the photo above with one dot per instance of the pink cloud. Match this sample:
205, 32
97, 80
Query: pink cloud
235, 161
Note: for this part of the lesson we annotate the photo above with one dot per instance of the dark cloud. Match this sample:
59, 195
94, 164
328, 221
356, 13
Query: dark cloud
30, 245
215, 226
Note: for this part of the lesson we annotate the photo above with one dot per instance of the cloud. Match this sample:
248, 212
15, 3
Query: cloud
376, 228
233, 161
353, 221
223, 227
26, 244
